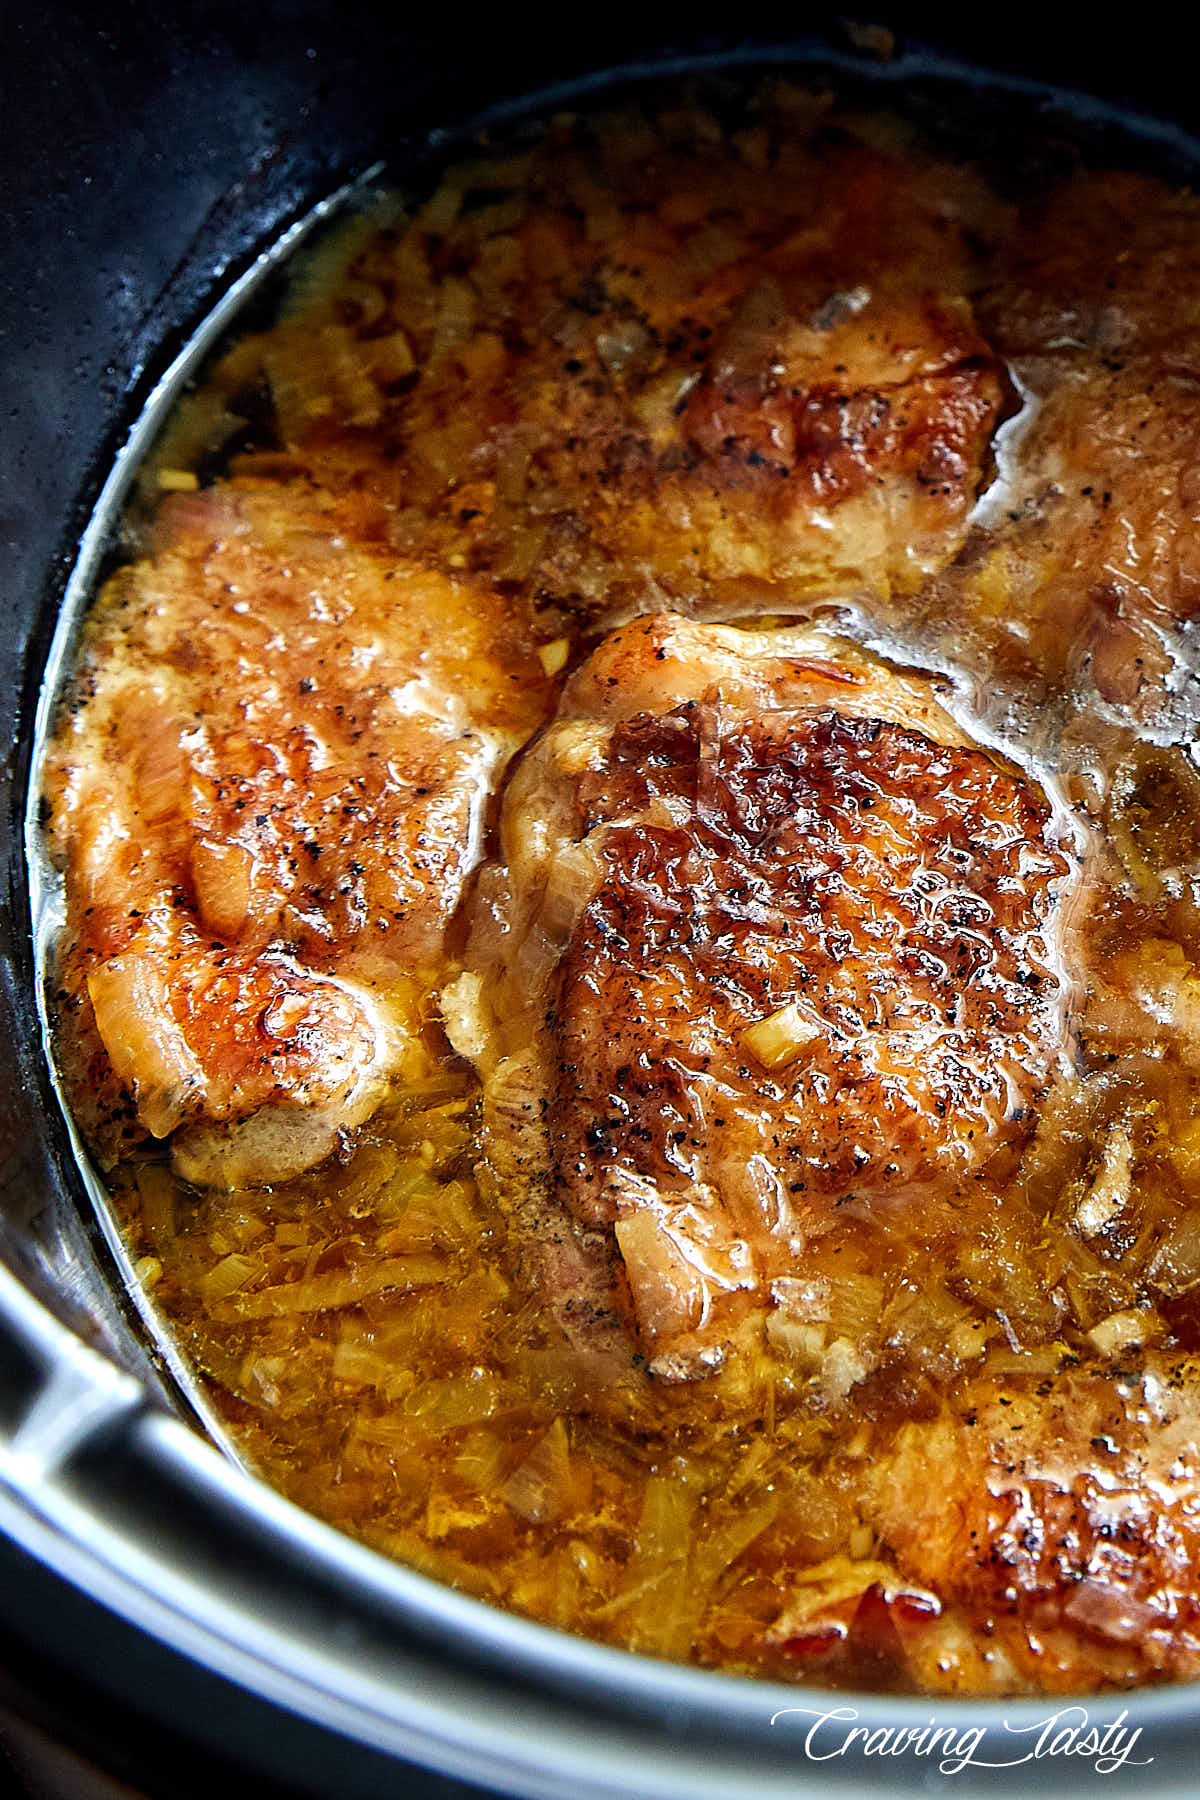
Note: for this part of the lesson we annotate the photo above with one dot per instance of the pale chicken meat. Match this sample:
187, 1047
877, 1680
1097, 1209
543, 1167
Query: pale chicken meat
771, 945
266, 790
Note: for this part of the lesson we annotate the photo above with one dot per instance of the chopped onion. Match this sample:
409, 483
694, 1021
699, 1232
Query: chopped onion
458, 1400
1123, 1331
1109, 1192
221, 873
322, 1293
539, 1488
553, 656
780, 1038
232, 1273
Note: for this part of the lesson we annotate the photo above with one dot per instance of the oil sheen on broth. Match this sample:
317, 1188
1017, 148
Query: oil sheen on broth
630, 843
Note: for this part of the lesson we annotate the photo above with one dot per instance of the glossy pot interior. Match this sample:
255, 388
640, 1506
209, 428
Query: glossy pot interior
149, 159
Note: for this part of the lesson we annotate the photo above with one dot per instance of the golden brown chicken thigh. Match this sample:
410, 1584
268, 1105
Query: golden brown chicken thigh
265, 790
1077, 594
772, 943
665, 357
1062, 1515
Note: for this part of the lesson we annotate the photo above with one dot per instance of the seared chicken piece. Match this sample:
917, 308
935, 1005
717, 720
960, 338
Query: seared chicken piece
1081, 583
662, 361
265, 791
805, 425
1065, 1512
769, 939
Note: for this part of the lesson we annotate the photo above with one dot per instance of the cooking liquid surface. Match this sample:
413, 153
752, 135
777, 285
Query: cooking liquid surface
707, 367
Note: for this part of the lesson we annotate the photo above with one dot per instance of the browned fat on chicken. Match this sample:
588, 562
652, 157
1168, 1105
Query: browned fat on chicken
770, 939
265, 791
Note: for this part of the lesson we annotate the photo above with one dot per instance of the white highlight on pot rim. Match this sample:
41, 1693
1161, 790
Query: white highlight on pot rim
1070, 1732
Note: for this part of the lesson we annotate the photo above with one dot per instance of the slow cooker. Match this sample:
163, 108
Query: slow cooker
161, 1612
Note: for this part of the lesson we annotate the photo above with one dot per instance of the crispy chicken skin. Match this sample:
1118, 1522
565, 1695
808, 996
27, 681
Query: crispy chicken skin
828, 425
1035, 1535
770, 940
265, 791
